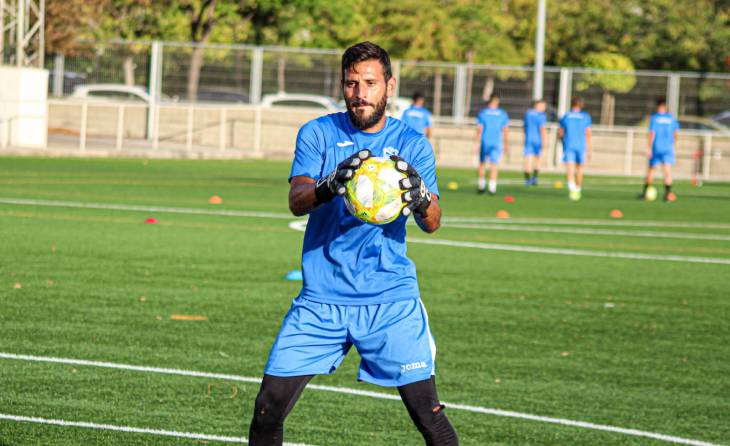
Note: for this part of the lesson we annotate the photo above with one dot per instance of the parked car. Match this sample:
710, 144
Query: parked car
114, 92
223, 94
689, 122
301, 100
722, 118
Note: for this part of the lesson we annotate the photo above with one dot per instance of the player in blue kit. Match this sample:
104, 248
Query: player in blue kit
492, 136
663, 132
359, 286
535, 137
575, 131
417, 116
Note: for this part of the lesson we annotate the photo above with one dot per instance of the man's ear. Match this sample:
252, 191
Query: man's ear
390, 87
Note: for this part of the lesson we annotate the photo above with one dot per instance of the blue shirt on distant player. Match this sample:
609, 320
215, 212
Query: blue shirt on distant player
493, 121
418, 118
534, 122
345, 260
663, 125
574, 124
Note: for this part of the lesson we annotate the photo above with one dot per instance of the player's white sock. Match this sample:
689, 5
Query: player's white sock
482, 183
571, 186
492, 186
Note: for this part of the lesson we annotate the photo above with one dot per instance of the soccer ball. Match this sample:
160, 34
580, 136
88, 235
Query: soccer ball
373, 194
650, 194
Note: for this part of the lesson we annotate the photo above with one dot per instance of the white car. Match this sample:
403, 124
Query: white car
301, 100
111, 91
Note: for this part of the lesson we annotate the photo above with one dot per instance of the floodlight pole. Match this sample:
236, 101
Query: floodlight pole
537, 84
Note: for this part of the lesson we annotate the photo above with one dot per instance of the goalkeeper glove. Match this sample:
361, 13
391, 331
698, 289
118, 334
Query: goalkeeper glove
333, 184
416, 195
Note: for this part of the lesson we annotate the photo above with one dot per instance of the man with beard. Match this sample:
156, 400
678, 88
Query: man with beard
359, 287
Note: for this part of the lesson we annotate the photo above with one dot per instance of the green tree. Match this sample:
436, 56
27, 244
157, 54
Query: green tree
618, 78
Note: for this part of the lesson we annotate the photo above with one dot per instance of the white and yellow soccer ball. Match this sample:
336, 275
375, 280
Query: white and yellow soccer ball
650, 194
374, 194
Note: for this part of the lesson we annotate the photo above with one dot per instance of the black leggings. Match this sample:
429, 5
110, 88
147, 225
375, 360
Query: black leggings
278, 395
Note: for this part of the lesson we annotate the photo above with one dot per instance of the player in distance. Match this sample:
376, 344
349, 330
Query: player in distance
417, 116
492, 137
360, 288
575, 132
535, 138
663, 133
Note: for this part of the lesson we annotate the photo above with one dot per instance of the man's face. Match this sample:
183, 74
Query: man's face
366, 93
540, 106
494, 103
661, 108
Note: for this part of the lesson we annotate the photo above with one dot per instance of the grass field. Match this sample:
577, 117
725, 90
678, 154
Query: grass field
530, 314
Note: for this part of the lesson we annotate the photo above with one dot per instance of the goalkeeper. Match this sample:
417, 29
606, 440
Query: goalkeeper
359, 288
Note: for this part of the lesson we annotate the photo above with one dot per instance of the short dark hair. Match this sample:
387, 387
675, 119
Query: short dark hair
576, 102
660, 102
366, 51
417, 96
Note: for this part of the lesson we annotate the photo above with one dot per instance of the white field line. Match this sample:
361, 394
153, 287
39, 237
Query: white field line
279, 215
571, 252
584, 222
344, 390
587, 231
130, 429
111, 427
136, 208
301, 225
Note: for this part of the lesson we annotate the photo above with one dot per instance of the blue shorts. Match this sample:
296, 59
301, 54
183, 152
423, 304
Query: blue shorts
533, 148
661, 158
573, 156
492, 153
393, 339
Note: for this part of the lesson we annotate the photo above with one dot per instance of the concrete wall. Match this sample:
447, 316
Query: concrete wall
210, 131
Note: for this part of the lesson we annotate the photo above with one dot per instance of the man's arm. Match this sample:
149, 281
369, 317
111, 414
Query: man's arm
302, 199
432, 220
505, 139
543, 136
650, 143
428, 132
589, 143
305, 194
480, 129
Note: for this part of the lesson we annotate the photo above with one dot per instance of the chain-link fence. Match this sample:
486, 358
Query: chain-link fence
243, 74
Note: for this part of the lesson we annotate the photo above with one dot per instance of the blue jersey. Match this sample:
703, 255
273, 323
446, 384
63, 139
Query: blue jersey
493, 121
345, 260
574, 124
534, 122
418, 118
663, 125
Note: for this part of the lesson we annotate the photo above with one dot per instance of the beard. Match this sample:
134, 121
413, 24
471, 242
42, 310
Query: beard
365, 122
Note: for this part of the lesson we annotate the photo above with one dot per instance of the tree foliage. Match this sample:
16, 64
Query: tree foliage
652, 34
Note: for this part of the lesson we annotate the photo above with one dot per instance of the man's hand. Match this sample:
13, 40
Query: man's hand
416, 195
333, 184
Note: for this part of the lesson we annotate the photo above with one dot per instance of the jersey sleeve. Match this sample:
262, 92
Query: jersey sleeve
676, 125
428, 120
652, 124
424, 161
588, 120
543, 120
308, 153
562, 122
505, 119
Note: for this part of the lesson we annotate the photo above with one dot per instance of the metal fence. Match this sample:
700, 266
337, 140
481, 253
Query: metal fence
456, 92
204, 102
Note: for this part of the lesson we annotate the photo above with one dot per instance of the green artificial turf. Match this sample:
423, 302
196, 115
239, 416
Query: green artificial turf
640, 344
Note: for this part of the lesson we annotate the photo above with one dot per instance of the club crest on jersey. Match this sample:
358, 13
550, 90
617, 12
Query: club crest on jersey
389, 151
345, 144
